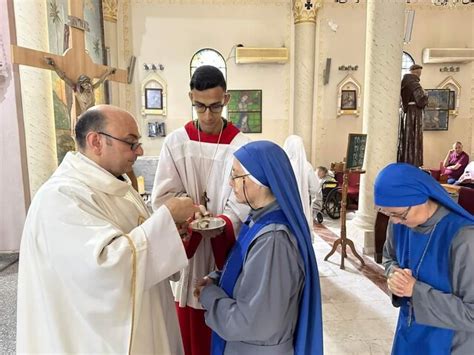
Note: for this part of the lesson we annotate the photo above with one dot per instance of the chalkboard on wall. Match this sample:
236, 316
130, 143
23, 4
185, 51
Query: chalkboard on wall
355, 151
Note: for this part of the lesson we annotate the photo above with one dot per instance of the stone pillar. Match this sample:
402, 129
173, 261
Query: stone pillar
110, 9
383, 56
304, 13
125, 50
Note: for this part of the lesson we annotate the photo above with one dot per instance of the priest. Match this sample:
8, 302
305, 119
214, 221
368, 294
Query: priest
94, 264
196, 161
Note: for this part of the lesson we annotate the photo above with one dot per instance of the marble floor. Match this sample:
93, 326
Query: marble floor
357, 314
358, 317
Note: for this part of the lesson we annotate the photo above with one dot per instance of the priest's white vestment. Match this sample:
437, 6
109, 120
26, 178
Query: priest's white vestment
192, 162
90, 266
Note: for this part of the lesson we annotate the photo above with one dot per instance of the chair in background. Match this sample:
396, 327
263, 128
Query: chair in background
352, 188
466, 199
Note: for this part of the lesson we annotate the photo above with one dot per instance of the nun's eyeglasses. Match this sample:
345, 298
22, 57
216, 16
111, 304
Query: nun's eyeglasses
401, 216
232, 177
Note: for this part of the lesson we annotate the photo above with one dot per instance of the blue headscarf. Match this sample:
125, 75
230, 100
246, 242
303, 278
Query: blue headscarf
404, 185
269, 164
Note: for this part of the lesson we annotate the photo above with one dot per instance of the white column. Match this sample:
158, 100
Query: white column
383, 55
110, 9
305, 32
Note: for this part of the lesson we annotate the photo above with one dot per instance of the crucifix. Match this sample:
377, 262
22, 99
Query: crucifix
75, 66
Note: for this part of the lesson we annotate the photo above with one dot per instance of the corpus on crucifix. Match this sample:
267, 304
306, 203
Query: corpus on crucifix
83, 88
75, 66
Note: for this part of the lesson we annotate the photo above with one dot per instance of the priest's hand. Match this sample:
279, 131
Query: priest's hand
202, 213
401, 282
205, 281
181, 208
183, 230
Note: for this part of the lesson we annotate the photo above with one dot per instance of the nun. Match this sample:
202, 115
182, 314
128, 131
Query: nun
429, 262
267, 300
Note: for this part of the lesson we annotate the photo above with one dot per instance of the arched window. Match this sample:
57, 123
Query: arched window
407, 62
208, 56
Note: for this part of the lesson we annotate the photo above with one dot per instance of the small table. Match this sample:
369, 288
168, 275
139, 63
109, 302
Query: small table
453, 191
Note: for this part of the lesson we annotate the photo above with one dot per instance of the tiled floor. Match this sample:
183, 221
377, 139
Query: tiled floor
357, 314
358, 317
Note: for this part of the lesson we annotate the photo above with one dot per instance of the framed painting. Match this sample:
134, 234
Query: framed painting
348, 100
245, 110
438, 99
436, 113
152, 129
435, 120
153, 99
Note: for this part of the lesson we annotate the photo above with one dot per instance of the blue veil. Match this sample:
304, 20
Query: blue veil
404, 185
269, 164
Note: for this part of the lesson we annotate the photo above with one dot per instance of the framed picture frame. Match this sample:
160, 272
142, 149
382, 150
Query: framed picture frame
152, 129
435, 120
438, 99
161, 129
156, 129
153, 99
245, 110
436, 113
348, 100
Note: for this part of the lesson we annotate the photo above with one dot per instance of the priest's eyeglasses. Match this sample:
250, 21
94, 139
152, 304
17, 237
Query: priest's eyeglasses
232, 177
401, 216
214, 108
133, 146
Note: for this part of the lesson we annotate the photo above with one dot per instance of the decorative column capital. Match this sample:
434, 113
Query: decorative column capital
305, 10
109, 9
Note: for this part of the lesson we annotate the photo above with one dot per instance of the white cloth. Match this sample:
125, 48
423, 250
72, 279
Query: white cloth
468, 173
182, 170
294, 148
470, 168
75, 274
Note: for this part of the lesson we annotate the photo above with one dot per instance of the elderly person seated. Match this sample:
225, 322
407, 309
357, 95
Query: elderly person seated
454, 163
267, 299
428, 258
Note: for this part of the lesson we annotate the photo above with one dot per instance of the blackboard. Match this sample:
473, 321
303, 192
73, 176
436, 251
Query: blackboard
355, 151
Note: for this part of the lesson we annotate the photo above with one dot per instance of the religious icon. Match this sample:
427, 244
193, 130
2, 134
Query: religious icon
245, 110
153, 99
152, 129
348, 100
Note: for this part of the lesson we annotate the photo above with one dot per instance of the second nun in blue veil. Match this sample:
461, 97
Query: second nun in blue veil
267, 299
429, 262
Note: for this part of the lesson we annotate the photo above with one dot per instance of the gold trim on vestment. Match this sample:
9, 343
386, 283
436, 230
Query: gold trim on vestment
134, 286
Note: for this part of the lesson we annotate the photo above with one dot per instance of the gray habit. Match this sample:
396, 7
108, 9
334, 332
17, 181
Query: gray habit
438, 309
262, 315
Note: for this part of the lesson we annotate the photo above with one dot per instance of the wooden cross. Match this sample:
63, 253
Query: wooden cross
75, 61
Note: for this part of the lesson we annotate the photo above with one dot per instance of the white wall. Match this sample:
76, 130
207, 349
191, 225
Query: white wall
449, 29
170, 34
433, 27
